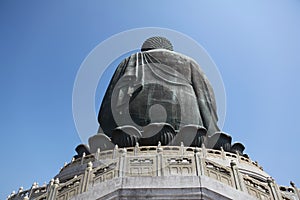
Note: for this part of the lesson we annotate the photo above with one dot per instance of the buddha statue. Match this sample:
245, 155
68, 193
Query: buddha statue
157, 95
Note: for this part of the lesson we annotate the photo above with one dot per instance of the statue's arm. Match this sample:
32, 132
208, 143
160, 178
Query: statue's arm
105, 113
205, 98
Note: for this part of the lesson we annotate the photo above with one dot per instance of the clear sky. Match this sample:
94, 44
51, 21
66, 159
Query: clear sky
255, 45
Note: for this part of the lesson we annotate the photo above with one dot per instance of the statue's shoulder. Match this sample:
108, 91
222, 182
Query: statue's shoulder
169, 54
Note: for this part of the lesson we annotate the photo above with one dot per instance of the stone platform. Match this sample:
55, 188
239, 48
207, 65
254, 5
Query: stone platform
160, 172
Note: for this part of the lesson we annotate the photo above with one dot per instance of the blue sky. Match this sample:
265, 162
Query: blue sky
255, 45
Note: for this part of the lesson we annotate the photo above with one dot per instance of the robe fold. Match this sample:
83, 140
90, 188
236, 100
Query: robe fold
158, 77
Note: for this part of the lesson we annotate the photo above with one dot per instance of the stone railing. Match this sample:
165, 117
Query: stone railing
231, 169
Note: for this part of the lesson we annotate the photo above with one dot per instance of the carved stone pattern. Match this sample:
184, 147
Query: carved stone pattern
216, 167
183, 166
284, 197
287, 193
257, 188
179, 161
37, 192
141, 161
69, 189
141, 167
159, 161
219, 173
105, 169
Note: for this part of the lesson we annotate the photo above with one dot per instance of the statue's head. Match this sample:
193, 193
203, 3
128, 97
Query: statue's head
157, 42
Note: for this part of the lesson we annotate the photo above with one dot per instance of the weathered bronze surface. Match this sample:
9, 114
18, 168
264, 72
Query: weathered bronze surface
158, 85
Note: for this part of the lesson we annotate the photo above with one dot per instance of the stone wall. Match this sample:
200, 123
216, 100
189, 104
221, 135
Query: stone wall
161, 172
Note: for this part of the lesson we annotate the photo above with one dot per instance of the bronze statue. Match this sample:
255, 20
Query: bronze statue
159, 89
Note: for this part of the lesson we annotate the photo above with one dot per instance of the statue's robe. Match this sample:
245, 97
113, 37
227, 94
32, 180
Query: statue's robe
162, 77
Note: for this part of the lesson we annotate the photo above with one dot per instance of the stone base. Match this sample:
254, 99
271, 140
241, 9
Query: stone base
167, 187
160, 172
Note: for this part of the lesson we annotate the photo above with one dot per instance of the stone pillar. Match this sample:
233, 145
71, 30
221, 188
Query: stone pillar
122, 165
34, 185
82, 158
159, 161
204, 152
223, 154
86, 177
136, 148
53, 189
275, 193
201, 159
97, 155
237, 177
20, 190
115, 151
11, 195
296, 189
181, 148
199, 162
